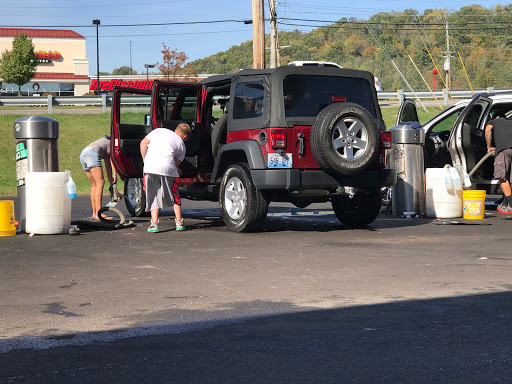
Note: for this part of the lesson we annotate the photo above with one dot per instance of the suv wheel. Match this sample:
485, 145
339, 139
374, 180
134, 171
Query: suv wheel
243, 207
344, 139
134, 197
362, 209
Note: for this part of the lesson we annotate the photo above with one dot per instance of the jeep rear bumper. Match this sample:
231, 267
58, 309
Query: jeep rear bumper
297, 180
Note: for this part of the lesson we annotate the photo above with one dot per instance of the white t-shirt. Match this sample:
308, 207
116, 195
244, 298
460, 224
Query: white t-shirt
164, 145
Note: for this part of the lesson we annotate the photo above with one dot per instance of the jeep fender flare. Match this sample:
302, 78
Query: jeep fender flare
250, 148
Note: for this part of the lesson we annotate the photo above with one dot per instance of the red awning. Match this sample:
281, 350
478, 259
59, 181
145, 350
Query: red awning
55, 33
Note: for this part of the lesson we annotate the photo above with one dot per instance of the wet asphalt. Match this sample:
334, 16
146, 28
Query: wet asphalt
305, 300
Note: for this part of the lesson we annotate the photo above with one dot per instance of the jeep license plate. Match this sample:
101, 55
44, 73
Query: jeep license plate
279, 160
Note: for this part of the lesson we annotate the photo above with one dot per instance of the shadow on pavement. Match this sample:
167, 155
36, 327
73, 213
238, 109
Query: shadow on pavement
463, 339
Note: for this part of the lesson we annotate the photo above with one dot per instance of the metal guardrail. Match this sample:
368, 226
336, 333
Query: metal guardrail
144, 100
439, 94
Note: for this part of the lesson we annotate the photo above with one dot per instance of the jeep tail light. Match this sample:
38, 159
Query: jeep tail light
278, 138
385, 138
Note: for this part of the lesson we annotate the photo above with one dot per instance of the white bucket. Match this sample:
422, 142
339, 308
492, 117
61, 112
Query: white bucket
48, 207
440, 201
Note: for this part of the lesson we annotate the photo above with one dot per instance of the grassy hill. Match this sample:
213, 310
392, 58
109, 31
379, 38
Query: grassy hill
482, 37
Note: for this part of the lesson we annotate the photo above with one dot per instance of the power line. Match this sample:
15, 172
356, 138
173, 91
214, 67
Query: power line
140, 3
169, 34
126, 25
395, 23
393, 29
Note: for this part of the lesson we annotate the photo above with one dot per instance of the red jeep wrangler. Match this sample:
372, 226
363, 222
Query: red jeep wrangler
295, 134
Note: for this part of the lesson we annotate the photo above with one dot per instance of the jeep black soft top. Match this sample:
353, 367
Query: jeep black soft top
298, 134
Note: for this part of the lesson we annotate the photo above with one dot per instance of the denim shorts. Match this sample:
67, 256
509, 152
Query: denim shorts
90, 158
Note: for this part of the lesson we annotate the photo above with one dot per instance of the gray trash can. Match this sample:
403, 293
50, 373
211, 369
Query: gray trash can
36, 151
408, 194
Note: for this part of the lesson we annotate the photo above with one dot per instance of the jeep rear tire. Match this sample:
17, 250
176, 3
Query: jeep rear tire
344, 139
242, 206
360, 210
134, 197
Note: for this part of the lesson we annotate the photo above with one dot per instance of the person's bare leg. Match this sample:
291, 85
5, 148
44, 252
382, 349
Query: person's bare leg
505, 187
177, 212
93, 189
178, 217
154, 215
96, 190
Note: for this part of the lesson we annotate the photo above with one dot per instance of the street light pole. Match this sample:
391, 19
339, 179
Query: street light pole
131, 70
97, 23
147, 66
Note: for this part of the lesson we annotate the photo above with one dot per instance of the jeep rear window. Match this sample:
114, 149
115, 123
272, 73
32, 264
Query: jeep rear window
307, 95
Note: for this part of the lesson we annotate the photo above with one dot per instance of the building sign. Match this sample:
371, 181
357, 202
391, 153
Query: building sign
46, 56
108, 85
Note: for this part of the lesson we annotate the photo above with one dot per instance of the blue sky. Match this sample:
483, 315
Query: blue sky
196, 40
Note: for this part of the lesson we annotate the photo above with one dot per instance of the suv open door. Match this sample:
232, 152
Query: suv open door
408, 112
467, 140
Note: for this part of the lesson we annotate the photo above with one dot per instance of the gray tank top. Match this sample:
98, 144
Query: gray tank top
103, 146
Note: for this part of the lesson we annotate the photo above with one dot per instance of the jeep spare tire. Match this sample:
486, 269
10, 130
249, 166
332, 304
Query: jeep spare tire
344, 139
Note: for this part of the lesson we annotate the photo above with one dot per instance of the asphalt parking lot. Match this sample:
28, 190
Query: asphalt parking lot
305, 300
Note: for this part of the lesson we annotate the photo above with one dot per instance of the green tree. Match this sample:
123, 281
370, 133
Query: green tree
124, 70
19, 65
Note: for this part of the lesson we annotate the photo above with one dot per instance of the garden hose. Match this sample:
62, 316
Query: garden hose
481, 162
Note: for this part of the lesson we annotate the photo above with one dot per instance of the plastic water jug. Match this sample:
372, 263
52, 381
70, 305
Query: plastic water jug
71, 186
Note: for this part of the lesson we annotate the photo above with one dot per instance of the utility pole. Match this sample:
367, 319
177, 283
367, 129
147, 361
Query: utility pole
258, 34
274, 38
447, 59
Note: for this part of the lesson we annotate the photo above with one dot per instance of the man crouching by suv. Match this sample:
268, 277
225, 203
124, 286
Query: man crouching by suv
501, 129
162, 152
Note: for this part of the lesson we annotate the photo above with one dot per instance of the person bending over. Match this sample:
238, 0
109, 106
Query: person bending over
163, 151
90, 158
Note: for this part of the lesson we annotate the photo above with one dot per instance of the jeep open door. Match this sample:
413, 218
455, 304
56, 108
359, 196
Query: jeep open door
129, 125
467, 144
135, 112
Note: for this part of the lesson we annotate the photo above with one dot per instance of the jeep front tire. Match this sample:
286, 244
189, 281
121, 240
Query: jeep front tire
242, 206
344, 139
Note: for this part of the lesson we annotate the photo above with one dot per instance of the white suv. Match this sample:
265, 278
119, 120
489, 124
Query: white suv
457, 135
378, 86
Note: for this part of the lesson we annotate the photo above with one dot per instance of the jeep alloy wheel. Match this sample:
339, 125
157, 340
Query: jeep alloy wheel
134, 197
344, 139
242, 206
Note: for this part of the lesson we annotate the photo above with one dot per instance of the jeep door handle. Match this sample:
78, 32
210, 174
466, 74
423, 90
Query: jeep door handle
300, 136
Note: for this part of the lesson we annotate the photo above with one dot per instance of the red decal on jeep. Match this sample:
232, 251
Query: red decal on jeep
339, 99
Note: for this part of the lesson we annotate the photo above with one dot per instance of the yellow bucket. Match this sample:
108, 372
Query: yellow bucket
7, 227
473, 204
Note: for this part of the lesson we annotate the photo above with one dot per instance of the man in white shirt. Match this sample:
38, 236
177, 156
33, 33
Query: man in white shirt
163, 151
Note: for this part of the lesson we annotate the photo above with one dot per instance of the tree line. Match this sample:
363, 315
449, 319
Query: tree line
389, 42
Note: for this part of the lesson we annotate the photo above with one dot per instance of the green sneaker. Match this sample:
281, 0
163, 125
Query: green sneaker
153, 228
179, 225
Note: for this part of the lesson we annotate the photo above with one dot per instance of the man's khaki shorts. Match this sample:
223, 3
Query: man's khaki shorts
502, 168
